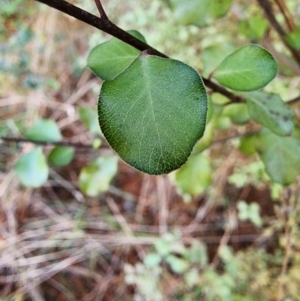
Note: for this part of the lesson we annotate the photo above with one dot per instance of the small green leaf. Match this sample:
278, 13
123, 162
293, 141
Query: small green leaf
44, 130
194, 176
89, 117
163, 246
207, 138
280, 155
95, 178
247, 145
153, 123
152, 259
177, 265
249, 212
191, 278
199, 12
198, 253
32, 169
254, 28
109, 59
96, 143
248, 68
293, 39
270, 111
237, 112
61, 156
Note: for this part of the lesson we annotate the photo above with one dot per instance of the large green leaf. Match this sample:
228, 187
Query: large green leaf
269, 110
280, 155
248, 68
199, 12
44, 130
32, 169
109, 59
153, 113
95, 178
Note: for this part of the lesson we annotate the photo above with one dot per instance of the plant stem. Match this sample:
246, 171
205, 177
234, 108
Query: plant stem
103, 24
287, 15
267, 7
219, 89
107, 26
47, 143
101, 10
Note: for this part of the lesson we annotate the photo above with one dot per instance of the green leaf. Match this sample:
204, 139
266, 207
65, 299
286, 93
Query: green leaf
95, 178
44, 130
96, 143
109, 59
213, 55
198, 253
270, 111
199, 12
89, 117
280, 155
191, 278
247, 145
237, 112
61, 156
165, 244
249, 212
254, 28
177, 265
32, 169
152, 260
153, 113
248, 68
293, 39
207, 138
195, 176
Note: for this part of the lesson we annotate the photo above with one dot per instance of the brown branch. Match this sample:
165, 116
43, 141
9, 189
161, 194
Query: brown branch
222, 140
286, 14
103, 24
107, 26
47, 143
267, 7
219, 89
101, 10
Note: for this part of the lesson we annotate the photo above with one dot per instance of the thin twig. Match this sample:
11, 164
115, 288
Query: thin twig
107, 26
289, 229
216, 88
250, 133
101, 10
287, 15
103, 24
267, 7
47, 143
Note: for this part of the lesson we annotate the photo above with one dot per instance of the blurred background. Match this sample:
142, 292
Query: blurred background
76, 223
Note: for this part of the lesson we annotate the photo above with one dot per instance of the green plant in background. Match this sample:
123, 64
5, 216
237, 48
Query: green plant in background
181, 260
249, 212
152, 109
155, 112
